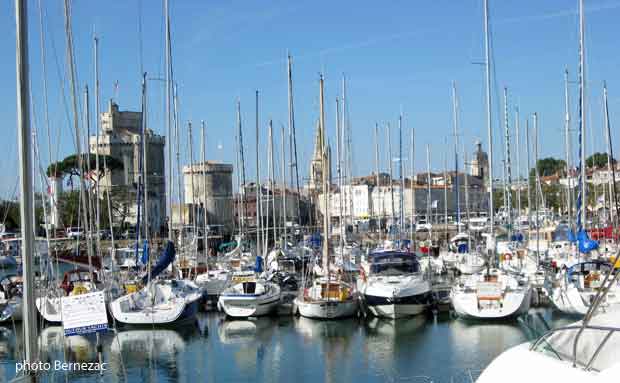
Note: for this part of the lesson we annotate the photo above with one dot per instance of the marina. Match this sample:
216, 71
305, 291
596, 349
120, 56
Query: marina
146, 245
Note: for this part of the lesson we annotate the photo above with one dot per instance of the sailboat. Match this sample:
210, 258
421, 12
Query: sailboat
329, 296
161, 301
493, 293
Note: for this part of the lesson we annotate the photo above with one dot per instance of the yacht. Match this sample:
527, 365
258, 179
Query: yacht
393, 286
250, 298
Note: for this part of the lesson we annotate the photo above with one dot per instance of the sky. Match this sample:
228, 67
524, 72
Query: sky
398, 56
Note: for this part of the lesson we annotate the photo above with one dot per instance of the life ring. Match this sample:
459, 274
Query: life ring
507, 256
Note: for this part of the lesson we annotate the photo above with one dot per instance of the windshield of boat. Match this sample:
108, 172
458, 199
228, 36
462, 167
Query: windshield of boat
390, 264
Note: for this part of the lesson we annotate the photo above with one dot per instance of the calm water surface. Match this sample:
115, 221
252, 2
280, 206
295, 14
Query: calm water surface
284, 349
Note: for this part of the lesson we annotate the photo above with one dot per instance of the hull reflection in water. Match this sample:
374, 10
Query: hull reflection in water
245, 331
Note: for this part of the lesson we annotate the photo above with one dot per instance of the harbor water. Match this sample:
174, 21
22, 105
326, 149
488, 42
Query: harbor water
426, 348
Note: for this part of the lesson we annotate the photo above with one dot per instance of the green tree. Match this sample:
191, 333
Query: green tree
598, 160
549, 166
69, 166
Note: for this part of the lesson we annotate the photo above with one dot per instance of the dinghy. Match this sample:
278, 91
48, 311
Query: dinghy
250, 298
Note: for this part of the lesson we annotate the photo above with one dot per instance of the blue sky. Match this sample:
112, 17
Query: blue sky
396, 55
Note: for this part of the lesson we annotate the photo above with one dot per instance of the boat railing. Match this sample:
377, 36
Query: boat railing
579, 328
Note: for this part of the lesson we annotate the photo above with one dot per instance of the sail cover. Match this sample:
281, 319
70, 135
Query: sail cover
164, 261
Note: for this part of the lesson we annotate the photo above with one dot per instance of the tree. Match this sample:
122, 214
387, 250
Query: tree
70, 167
549, 166
598, 160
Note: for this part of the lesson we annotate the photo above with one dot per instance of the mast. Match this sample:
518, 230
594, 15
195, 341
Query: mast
402, 178
455, 109
205, 212
518, 153
145, 159
168, 118
259, 210
529, 167
445, 193
389, 139
412, 223
567, 145
191, 174
377, 168
537, 182
339, 172
271, 183
508, 167
97, 129
284, 215
325, 183
612, 192
293, 138
25, 181
429, 196
488, 104
582, 200
242, 160
177, 140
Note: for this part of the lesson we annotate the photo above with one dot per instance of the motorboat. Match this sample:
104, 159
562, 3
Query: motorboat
492, 294
393, 286
576, 353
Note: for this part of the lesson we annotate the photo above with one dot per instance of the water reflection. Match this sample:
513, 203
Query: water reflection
280, 349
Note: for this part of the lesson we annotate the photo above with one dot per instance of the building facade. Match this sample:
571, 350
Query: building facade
120, 138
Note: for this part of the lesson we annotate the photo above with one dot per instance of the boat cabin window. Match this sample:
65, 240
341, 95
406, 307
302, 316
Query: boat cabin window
249, 287
394, 267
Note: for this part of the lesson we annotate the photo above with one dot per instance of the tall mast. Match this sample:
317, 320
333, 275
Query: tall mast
455, 109
190, 143
25, 180
242, 160
529, 167
205, 212
536, 186
284, 215
177, 143
97, 129
339, 172
567, 149
325, 181
518, 153
428, 186
271, 183
145, 159
377, 168
389, 139
581, 219
613, 197
168, 120
508, 167
259, 210
402, 178
445, 193
293, 138
488, 99
412, 185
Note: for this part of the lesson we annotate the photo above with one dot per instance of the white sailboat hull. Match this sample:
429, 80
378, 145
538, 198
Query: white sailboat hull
238, 304
513, 303
49, 308
327, 309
